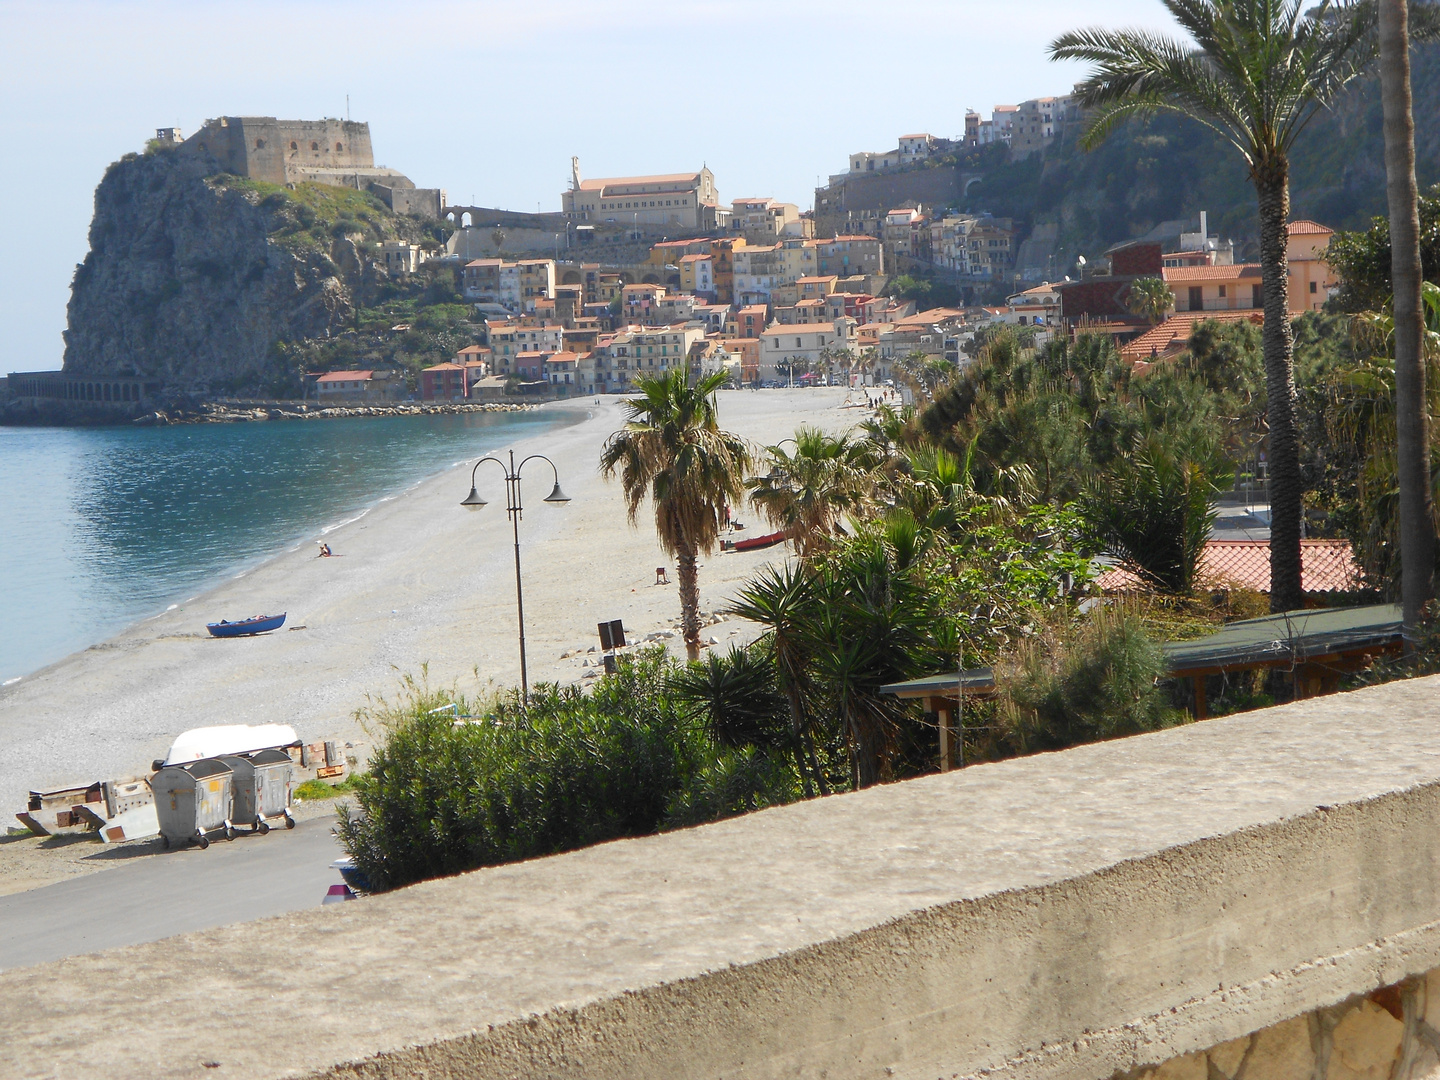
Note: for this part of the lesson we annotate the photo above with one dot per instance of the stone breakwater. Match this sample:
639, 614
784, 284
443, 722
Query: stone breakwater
235, 414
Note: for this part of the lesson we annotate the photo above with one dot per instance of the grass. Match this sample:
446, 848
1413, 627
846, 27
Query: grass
315, 790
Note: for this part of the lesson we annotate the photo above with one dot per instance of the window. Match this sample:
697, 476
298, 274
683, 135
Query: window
314, 146
259, 144
294, 145
1312, 288
1222, 290
1197, 298
339, 147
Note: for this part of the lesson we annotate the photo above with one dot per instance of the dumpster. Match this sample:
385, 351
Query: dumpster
274, 783
244, 793
192, 801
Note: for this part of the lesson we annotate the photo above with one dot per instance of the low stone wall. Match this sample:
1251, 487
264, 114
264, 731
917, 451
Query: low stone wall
1100, 912
1390, 1034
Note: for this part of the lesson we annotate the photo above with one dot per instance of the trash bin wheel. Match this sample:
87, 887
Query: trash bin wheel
203, 841
230, 832
264, 827
289, 822
165, 842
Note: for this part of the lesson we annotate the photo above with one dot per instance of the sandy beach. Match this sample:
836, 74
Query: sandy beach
418, 581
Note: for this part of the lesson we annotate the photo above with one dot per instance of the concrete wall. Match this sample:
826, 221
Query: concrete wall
1095, 912
264, 148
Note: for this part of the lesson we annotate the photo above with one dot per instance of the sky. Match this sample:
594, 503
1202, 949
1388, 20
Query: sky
490, 99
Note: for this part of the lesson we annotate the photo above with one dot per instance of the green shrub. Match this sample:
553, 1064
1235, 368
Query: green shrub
1072, 684
569, 769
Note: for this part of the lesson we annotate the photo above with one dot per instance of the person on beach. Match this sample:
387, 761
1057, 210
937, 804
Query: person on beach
324, 549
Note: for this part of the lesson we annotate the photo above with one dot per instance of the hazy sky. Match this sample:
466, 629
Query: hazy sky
489, 99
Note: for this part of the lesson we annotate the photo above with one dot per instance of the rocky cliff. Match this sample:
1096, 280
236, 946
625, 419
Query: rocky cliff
199, 277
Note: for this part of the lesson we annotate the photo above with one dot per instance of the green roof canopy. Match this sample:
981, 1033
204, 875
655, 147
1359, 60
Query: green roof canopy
1292, 637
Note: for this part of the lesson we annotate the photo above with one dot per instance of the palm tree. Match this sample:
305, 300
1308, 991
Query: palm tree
807, 493
784, 601
1151, 298
672, 449
1256, 73
1417, 511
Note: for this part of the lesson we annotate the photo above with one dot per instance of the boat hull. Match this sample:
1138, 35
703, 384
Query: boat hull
245, 627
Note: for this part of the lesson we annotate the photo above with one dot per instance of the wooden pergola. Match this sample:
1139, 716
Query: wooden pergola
1318, 645
944, 695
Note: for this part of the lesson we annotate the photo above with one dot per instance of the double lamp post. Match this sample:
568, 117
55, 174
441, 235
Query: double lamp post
515, 510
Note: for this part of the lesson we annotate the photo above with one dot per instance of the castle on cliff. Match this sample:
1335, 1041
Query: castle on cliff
335, 152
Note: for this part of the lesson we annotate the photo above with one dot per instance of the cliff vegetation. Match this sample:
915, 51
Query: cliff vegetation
228, 286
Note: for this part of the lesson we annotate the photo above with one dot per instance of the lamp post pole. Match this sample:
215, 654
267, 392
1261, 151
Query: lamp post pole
514, 509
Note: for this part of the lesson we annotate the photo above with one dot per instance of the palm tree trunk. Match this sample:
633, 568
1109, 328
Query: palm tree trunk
689, 576
1272, 186
1417, 521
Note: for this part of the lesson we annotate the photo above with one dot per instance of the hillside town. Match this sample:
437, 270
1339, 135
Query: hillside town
640, 275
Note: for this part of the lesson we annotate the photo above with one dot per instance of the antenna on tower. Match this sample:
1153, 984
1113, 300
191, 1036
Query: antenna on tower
347, 108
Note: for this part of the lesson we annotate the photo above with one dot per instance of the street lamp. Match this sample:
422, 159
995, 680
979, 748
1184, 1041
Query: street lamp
515, 511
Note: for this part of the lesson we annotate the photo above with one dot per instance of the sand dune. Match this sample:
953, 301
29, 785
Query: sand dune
422, 581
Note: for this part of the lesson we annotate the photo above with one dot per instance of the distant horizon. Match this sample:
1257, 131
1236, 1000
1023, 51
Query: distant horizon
490, 100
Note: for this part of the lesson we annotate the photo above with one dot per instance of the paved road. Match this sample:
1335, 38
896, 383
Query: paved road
159, 895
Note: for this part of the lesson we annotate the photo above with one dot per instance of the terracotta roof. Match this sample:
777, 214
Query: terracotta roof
1308, 228
475, 349
1188, 274
619, 181
345, 376
693, 258
1174, 333
1325, 566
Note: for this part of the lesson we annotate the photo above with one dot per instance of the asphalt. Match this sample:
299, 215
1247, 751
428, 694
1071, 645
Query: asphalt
173, 892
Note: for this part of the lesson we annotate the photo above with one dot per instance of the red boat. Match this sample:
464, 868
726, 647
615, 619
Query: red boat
755, 543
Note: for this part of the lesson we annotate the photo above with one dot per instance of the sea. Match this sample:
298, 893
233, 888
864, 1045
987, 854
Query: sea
101, 527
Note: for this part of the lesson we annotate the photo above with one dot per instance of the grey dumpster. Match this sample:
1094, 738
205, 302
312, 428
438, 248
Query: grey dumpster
274, 783
193, 801
244, 793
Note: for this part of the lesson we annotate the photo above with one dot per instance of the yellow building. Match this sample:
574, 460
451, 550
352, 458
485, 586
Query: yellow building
1311, 278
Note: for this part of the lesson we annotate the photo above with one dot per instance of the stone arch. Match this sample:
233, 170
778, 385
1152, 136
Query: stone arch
673, 280
314, 146
627, 278
651, 279
466, 220
339, 147
570, 277
971, 182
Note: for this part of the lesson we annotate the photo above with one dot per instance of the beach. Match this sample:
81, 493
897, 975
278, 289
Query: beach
417, 586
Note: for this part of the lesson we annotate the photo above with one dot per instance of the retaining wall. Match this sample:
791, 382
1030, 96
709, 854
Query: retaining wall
1099, 912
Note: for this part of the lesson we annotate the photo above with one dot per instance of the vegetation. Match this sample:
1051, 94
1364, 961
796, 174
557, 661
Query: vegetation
1256, 74
673, 452
1151, 298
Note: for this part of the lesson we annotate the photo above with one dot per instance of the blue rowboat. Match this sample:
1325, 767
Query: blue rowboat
259, 624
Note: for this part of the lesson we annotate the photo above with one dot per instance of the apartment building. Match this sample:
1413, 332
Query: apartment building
811, 345
990, 244
1215, 288
846, 255
1035, 124
758, 270
902, 231
399, 256
508, 340
697, 275
621, 359
514, 286
1312, 280
764, 220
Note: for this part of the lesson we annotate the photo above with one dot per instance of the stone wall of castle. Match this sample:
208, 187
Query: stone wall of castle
264, 148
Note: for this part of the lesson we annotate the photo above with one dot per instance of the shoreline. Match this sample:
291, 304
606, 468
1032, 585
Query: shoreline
425, 586
222, 411
297, 532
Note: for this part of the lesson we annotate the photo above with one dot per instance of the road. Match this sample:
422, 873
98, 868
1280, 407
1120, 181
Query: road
175, 892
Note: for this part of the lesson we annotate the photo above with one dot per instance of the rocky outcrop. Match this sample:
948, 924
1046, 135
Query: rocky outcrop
186, 281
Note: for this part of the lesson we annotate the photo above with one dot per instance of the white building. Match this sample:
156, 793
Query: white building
810, 344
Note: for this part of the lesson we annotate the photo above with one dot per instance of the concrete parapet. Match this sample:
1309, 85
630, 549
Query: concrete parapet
1080, 914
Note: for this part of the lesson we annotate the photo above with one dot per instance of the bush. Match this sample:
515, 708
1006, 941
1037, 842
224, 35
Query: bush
446, 795
1072, 684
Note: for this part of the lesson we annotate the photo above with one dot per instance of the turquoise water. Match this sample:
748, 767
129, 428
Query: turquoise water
102, 526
